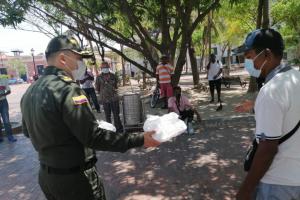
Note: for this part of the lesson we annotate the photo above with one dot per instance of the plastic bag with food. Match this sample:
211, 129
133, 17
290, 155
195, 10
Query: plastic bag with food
165, 127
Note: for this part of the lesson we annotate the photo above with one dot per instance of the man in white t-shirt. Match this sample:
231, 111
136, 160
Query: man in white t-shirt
275, 170
214, 75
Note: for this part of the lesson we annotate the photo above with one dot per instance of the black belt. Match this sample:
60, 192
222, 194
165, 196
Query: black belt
65, 171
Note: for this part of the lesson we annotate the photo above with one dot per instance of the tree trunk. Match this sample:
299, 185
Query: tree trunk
204, 41
95, 65
209, 31
266, 14
252, 84
194, 67
228, 61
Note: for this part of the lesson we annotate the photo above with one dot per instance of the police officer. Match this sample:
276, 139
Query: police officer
64, 131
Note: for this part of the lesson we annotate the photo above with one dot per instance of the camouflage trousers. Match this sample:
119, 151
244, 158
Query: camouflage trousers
85, 185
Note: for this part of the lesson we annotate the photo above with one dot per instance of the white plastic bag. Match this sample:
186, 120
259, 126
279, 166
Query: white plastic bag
107, 126
165, 127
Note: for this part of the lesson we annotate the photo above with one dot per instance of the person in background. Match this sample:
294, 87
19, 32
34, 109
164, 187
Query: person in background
87, 84
181, 105
107, 87
214, 75
164, 72
4, 110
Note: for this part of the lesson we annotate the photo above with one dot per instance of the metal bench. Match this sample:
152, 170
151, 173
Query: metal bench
233, 80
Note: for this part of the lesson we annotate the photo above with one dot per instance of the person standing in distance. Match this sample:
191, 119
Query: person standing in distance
87, 84
275, 172
107, 87
4, 111
63, 129
214, 75
164, 72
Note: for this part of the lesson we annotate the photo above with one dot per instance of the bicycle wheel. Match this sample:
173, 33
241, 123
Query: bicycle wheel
154, 98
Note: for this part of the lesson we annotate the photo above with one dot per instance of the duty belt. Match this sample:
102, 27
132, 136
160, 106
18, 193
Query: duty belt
72, 170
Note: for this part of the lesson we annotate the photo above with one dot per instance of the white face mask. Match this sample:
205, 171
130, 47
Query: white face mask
78, 73
105, 70
249, 66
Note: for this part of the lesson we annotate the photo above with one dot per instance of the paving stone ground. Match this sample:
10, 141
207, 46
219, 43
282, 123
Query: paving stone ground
207, 165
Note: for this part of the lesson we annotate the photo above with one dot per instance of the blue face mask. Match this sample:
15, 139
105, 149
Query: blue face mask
249, 66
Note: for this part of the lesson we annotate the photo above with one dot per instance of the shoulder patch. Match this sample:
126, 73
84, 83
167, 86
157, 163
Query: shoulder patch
80, 100
66, 78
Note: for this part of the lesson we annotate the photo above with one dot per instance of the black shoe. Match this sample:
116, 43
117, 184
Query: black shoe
1, 139
219, 108
212, 101
220, 101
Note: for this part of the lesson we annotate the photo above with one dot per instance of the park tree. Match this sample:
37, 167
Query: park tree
231, 24
152, 27
285, 15
18, 66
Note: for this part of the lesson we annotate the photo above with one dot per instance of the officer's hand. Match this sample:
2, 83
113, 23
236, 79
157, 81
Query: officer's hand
149, 141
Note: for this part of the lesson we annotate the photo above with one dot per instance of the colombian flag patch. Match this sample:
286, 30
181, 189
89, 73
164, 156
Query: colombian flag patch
80, 100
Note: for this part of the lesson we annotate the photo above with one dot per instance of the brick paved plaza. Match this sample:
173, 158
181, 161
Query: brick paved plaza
207, 165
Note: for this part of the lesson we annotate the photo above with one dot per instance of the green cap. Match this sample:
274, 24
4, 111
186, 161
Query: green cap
64, 42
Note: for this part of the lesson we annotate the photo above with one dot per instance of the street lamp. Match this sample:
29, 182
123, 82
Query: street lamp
32, 54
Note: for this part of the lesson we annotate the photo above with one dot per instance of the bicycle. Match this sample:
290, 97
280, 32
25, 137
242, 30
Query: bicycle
155, 96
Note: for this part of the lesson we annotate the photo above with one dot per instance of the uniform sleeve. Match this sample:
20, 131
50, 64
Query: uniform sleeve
78, 116
269, 115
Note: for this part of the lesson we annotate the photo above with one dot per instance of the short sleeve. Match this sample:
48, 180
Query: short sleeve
187, 103
269, 115
172, 105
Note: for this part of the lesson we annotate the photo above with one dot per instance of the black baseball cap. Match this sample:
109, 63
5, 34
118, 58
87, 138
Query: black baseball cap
262, 39
63, 42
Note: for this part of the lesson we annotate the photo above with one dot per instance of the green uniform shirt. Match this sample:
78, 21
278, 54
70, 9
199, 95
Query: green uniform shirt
61, 125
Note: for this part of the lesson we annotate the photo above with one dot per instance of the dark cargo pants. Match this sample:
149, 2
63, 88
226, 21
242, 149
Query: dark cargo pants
85, 185
113, 107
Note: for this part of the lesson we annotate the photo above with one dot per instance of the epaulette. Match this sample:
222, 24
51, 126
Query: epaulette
66, 79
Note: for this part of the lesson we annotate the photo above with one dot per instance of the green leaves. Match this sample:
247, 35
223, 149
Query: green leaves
12, 11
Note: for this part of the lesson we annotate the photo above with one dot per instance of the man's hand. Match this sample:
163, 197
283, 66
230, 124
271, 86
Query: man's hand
216, 76
246, 106
149, 141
